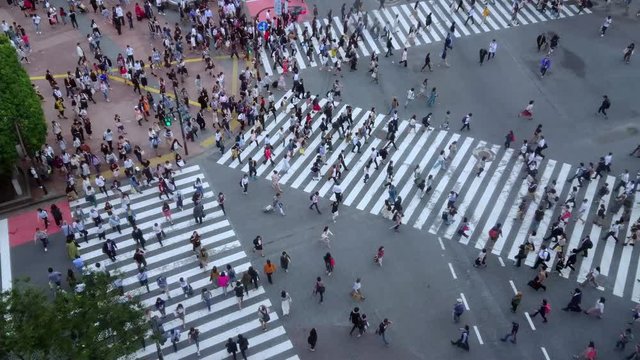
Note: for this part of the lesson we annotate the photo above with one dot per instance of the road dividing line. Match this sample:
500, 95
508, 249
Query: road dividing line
513, 286
501, 261
464, 301
453, 273
544, 352
475, 328
533, 327
441, 243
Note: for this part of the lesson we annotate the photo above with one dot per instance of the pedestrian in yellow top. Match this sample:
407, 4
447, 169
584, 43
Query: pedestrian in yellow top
485, 14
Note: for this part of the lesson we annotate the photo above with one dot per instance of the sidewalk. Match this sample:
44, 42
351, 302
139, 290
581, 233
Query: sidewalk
55, 50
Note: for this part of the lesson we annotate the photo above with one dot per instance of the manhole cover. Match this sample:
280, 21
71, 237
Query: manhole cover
632, 130
484, 152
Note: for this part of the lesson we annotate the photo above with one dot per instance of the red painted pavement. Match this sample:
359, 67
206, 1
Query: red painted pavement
261, 6
22, 227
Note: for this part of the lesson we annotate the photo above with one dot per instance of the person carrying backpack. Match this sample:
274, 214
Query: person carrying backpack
543, 256
458, 309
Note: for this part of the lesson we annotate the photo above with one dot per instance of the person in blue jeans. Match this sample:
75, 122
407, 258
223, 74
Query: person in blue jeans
382, 330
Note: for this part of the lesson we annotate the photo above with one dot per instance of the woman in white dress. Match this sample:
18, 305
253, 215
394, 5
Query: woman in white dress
286, 302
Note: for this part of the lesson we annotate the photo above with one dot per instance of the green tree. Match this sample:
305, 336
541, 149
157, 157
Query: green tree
96, 324
19, 105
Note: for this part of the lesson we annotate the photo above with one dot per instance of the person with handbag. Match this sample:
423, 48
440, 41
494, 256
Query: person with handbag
263, 315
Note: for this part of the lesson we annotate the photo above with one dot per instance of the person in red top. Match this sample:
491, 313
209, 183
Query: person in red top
267, 155
139, 12
589, 353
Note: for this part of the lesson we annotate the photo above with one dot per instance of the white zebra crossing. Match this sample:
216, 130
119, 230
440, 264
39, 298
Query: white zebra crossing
502, 190
174, 260
408, 16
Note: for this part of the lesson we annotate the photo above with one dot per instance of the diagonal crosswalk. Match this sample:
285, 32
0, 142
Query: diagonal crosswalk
485, 200
409, 15
176, 259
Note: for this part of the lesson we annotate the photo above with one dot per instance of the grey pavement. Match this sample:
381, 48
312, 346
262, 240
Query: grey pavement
416, 288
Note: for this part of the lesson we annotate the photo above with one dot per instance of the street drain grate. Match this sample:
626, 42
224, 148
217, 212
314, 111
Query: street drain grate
485, 152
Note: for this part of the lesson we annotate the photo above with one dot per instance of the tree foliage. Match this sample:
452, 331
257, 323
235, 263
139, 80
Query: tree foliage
96, 324
18, 104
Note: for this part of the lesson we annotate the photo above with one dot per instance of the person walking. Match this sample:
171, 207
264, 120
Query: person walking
243, 345
356, 290
329, 263
598, 309
458, 310
263, 316
315, 199
163, 285
628, 51
605, 25
512, 334
604, 106
43, 216
175, 338
466, 122
543, 310
285, 302
623, 339
312, 339
285, 260
545, 65
257, 245
42, 236
574, 303
269, 270
232, 348
463, 340
319, 289
194, 336
493, 47
355, 317
382, 330
590, 353
324, 237
198, 213
515, 301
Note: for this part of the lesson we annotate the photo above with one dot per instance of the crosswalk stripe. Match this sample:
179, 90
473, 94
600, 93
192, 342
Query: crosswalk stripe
410, 183
623, 267
576, 236
334, 156
176, 260
413, 205
497, 207
474, 219
395, 11
460, 180
309, 151
412, 20
381, 176
354, 171
510, 218
222, 337
436, 27
423, 146
609, 248
215, 323
529, 215
402, 169
408, 15
443, 182
125, 188
472, 191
